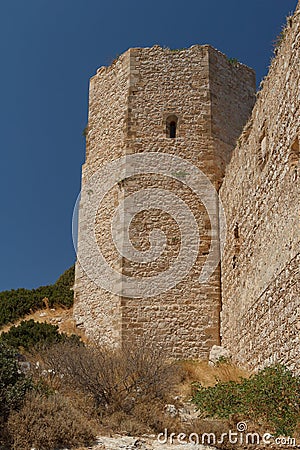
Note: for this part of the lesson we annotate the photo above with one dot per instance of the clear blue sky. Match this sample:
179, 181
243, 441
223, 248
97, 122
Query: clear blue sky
50, 49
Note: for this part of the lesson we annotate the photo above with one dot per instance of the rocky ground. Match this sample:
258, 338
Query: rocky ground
151, 443
143, 443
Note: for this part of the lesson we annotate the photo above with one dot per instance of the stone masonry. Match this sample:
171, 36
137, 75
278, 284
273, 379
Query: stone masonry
194, 103
261, 191
191, 103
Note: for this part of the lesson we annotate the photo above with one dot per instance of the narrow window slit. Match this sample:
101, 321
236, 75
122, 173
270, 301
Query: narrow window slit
171, 127
172, 130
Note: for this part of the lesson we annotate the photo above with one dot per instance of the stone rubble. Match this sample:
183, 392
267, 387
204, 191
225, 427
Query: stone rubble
132, 443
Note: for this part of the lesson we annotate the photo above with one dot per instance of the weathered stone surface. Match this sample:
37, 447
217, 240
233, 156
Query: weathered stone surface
261, 192
210, 100
130, 106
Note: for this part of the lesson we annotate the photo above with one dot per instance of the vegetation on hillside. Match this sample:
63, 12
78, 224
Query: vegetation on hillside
72, 392
30, 334
76, 390
16, 303
13, 387
271, 396
85, 389
49, 422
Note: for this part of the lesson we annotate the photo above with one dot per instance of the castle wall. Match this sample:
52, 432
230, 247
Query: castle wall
260, 269
95, 309
130, 103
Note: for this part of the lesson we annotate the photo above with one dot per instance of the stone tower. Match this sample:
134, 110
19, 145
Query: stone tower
190, 103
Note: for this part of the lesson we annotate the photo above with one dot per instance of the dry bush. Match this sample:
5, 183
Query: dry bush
48, 423
116, 379
121, 390
155, 418
202, 372
145, 417
4, 435
124, 423
228, 371
296, 434
201, 426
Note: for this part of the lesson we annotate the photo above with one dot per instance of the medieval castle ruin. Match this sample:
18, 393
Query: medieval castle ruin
199, 109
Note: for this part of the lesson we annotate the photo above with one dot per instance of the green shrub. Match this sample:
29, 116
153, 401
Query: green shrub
32, 334
13, 387
281, 36
221, 400
66, 280
13, 382
16, 303
175, 50
274, 395
233, 61
271, 395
